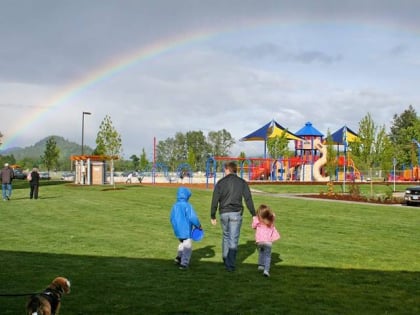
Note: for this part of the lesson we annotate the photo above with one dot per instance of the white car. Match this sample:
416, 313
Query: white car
68, 176
44, 175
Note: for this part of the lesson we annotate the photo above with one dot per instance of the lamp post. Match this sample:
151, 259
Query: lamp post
83, 127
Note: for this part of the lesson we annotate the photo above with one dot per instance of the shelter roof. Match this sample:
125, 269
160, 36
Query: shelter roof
344, 134
93, 157
270, 130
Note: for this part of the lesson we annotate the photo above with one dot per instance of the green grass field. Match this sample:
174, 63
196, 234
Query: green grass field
117, 248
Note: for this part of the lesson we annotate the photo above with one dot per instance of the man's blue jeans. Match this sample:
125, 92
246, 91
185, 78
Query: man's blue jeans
6, 190
231, 226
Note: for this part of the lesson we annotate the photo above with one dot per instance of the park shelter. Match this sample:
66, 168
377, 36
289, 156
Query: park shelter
90, 169
344, 135
270, 130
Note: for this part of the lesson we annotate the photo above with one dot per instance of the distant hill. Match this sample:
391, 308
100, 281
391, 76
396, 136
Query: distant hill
67, 148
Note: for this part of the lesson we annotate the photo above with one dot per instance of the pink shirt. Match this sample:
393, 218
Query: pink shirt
264, 233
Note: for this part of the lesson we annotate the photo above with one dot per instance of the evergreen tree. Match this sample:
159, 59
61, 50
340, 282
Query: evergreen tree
143, 160
405, 128
135, 160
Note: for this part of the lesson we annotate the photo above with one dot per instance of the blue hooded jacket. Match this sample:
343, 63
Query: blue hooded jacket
183, 217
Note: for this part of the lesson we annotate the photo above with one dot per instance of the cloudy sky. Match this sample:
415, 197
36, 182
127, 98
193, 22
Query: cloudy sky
160, 67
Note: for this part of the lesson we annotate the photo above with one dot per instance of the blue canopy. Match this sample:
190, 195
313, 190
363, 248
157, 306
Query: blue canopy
270, 130
309, 130
344, 135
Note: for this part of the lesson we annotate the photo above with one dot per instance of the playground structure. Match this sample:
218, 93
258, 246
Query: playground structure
309, 161
305, 168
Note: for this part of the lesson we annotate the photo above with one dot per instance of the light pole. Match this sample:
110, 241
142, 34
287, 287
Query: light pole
83, 127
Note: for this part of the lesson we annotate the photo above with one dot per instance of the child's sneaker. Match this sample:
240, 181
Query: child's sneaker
177, 260
183, 267
260, 268
266, 274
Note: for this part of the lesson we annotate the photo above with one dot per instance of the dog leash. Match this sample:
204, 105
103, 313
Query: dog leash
18, 294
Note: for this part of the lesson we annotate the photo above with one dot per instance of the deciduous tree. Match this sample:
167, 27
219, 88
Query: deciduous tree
51, 154
108, 142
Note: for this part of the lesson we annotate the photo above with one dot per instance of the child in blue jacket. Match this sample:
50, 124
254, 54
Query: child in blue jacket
183, 219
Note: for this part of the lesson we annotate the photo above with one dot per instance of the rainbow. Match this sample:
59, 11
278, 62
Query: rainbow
110, 69
121, 63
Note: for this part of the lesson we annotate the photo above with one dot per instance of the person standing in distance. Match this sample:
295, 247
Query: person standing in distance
228, 194
33, 183
7, 176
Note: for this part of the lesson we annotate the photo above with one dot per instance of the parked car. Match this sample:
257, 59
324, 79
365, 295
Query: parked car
69, 176
412, 195
44, 175
19, 174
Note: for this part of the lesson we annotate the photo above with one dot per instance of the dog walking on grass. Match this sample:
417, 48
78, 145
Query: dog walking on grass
48, 302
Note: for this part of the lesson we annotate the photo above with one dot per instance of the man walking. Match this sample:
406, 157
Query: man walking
7, 176
227, 197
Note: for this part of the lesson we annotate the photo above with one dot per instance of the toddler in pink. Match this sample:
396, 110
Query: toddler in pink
265, 234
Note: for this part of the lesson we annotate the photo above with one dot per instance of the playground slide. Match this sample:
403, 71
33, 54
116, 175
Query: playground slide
320, 163
258, 173
350, 164
261, 172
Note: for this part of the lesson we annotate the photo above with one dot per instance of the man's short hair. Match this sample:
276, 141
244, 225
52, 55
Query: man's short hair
231, 166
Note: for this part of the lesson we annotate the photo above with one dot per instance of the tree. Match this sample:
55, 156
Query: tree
220, 142
197, 149
385, 151
108, 142
332, 162
51, 154
404, 129
143, 160
135, 160
278, 146
193, 147
363, 151
374, 149
7, 159
166, 152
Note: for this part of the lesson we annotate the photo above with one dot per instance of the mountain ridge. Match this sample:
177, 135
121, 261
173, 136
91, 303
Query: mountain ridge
67, 148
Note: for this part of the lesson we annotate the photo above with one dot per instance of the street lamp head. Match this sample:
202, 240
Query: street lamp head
87, 113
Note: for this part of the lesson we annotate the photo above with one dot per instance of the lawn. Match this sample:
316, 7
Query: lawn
117, 248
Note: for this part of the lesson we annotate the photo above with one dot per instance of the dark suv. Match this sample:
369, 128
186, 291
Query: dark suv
18, 174
412, 195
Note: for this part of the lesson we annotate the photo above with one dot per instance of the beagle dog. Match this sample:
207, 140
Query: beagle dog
48, 302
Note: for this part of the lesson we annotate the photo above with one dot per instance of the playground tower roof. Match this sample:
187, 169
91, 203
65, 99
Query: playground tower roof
309, 130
